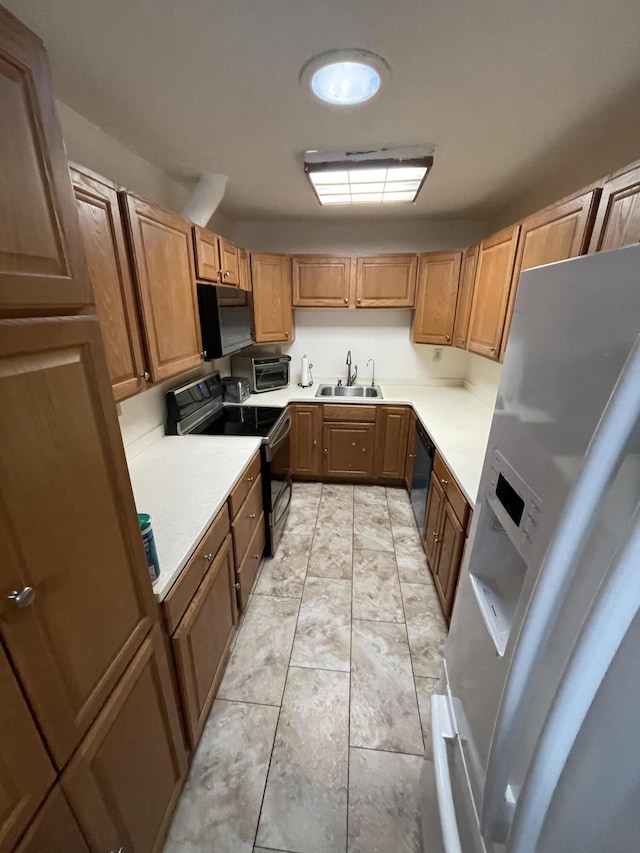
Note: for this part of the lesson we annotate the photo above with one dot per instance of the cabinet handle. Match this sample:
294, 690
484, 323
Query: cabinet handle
208, 557
447, 337
250, 479
346, 301
145, 376
22, 598
252, 515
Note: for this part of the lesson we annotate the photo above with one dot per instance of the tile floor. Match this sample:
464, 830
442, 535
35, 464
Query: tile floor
316, 739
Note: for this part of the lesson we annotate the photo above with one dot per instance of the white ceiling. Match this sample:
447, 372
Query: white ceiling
497, 86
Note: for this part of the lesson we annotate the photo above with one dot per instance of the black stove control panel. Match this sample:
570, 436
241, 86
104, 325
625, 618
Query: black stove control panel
188, 399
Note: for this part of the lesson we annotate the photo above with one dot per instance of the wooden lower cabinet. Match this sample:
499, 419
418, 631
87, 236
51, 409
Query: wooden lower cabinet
125, 778
248, 569
306, 440
451, 545
202, 640
349, 450
54, 830
432, 531
392, 433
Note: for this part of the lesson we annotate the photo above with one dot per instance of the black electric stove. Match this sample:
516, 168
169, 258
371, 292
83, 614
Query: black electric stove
235, 419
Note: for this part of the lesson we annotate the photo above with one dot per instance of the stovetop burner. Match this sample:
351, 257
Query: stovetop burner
241, 420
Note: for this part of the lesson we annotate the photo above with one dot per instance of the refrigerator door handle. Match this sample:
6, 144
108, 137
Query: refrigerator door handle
601, 460
442, 729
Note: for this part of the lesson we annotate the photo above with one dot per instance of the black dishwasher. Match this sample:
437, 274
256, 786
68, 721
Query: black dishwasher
424, 451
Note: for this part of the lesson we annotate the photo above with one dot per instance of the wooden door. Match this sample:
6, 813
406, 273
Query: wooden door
617, 220
321, 281
438, 277
392, 433
244, 269
409, 462
386, 281
229, 270
54, 830
108, 264
448, 568
202, 640
306, 436
271, 281
26, 773
556, 233
162, 248
41, 260
207, 254
433, 519
465, 297
68, 526
349, 450
491, 292
124, 780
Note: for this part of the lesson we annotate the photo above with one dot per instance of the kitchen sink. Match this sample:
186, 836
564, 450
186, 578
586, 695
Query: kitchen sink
350, 392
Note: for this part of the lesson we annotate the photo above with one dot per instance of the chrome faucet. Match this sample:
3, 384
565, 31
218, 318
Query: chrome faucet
351, 377
373, 371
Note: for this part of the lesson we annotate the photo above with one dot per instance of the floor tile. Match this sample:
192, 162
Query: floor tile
323, 635
410, 556
384, 802
371, 527
220, 804
384, 709
257, 668
376, 589
284, 573
307, 490
370, 495
425, 688
336, 506
426, 628
331, 552
302, 517
305, 801
400, 509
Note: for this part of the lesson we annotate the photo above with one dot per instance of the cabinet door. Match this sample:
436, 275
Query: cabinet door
465, 297
41, 259
409, 462
230, 272
271, 281
321, 280
433, 520
618, 217
108, 263
201, 642
433, 319
207, 254
124, 780
244, 269
386, 281
491, 292
349, 450
448, 568
554, 234
68, 526
26, 773
54, 830
306, 436
163, 265
392, 432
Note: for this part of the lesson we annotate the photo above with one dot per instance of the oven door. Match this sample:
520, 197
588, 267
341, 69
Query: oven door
277, 479
270, 376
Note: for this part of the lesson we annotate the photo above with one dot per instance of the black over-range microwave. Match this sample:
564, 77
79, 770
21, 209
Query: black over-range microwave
226, 320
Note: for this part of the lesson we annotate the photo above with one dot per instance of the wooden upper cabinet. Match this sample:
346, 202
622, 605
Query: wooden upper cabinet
124, 780
306, 439
207, 254
556, 233
41, 260
438, 277
26, 773
618, 218
491, 292
161, 243
229, 269
271, 282
392, 434
108, 264
68, 526
465, 297
322, 281
244, 268
386, 281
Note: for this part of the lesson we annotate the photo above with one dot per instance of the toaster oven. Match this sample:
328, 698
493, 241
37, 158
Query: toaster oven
266, 371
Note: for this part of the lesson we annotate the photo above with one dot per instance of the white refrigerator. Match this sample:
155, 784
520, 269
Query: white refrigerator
536, 728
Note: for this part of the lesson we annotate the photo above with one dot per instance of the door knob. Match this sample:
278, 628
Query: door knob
22, 598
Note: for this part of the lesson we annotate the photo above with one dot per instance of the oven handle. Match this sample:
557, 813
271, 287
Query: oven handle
289, 488
283, 431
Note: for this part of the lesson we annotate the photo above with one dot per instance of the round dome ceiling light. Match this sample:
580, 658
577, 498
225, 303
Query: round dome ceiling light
345, 77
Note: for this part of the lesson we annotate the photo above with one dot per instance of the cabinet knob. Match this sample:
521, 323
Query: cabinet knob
493, 349
256, 556
250, 479
326, 450
237, 585
447, 337
286, 334
315, 443
359, 301
461, 340
435, 539
146, 376
435, 535
444, 482
364, 449
252, 515
208, 557
226, 274
412, 456
22, 598
346, 301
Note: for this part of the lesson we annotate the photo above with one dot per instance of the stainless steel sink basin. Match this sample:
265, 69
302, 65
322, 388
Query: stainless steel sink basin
353, 392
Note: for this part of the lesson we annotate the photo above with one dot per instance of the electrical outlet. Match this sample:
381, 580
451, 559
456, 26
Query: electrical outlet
437, 354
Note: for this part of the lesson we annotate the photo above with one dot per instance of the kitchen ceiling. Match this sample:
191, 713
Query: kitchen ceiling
503, 88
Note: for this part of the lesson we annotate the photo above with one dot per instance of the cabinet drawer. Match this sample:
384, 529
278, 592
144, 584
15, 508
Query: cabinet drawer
241, 488
179, 596
249, 567
246, 521
344, 412
452, 489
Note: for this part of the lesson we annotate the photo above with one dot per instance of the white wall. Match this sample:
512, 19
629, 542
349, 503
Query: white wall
483, 377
